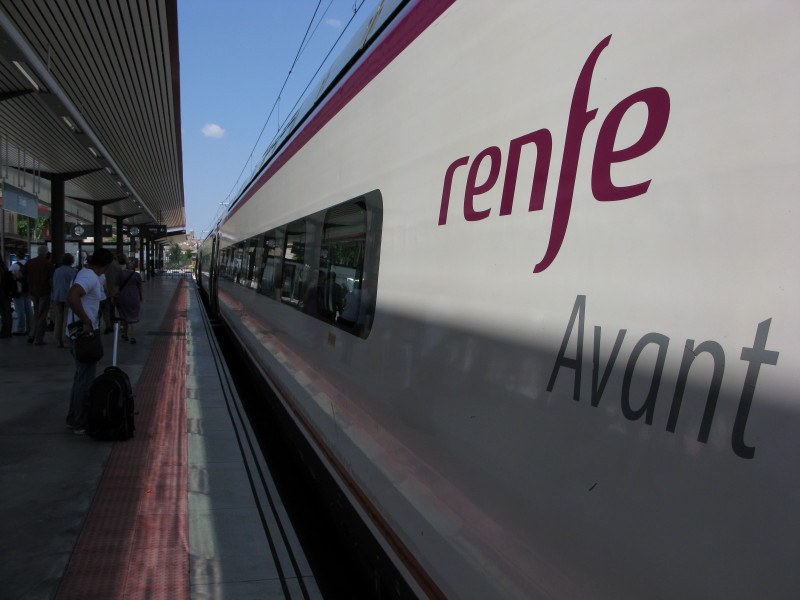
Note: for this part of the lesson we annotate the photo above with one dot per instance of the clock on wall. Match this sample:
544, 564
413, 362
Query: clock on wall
134, 230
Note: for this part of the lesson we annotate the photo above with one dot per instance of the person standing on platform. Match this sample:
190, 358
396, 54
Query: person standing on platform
62, 281
8, 288
111, 289
22, 301
83, 300
129, 300
40, 276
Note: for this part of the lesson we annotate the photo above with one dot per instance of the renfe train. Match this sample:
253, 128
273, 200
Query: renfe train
525, 276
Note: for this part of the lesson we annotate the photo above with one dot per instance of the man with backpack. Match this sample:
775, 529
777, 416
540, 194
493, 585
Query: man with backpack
83, 299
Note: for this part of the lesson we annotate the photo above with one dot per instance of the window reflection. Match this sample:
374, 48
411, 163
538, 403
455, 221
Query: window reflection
256, 260
239, 265
273, 250
295, 271
325, 265
339, 283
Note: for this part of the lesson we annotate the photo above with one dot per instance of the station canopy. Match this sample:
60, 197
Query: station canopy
89, 93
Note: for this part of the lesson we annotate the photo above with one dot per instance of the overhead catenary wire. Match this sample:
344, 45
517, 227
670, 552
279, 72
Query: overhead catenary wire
277, 100
313, 33
311, 80
303, 45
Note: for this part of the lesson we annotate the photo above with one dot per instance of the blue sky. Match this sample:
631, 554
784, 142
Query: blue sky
235, 55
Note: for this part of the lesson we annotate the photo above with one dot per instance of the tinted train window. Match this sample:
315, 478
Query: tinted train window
226, 262
255, 262
237, 265
325, 265
342, 267
273, 254
294, 273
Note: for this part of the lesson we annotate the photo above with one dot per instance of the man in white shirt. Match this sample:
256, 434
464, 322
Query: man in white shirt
83, 299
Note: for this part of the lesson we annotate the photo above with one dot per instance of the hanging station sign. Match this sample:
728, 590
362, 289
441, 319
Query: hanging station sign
19, 201
153, 232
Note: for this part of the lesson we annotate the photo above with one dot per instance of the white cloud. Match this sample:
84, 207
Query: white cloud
335, 23
213, 130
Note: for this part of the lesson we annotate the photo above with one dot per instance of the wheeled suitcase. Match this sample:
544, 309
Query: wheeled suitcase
111, 402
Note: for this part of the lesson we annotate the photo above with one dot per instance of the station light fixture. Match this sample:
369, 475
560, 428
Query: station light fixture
27, 75
69, 123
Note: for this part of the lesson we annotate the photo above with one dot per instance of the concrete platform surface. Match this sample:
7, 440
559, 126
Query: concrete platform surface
186, 509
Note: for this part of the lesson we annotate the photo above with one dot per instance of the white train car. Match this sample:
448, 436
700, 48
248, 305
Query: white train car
525, 276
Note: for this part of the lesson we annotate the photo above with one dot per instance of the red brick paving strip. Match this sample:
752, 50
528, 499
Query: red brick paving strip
134, 543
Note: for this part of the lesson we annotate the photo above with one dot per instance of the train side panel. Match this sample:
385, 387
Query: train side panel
581, 378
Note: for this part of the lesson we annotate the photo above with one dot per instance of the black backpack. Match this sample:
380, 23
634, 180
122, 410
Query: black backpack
9, 284
111, 406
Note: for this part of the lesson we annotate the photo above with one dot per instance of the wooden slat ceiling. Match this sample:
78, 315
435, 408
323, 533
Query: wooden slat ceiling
112, 68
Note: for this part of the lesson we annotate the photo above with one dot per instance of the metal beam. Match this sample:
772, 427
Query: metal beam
57, 219
49, 175
100, 202
98, 226
15, 94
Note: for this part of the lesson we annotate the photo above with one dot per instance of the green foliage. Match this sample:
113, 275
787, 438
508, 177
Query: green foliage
347, 254
40, 224
177, 258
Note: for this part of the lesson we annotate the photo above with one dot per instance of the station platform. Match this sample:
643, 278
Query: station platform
185, 509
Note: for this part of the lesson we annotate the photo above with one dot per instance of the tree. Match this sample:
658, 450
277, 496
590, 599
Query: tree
174, 256
177, 258
40, 225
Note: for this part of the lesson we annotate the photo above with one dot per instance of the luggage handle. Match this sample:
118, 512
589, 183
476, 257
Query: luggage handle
116, 341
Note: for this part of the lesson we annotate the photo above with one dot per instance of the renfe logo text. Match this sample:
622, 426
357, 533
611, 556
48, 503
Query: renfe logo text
603, 188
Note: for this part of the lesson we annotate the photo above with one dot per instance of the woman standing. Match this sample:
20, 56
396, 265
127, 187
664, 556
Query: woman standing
62, 281
129, 299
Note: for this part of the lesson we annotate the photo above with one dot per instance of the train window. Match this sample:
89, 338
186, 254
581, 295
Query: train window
235, 262
255, 264
294, 273
226, 262
273, 254
325, 265
341, 297
222, 263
